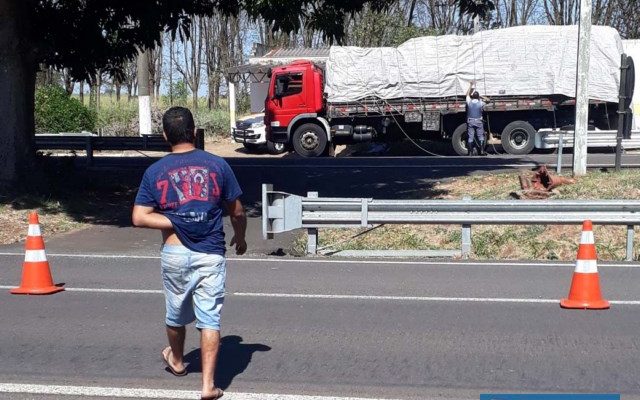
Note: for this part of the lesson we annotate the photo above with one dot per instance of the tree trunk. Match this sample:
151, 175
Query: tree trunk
69, 84
17, 85
98, 87
118, 90
81, 92
92, 95
412, 9
216, 94
214, 88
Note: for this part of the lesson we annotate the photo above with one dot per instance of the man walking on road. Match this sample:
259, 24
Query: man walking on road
183, 195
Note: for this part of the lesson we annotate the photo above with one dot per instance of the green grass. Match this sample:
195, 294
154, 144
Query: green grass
120, 118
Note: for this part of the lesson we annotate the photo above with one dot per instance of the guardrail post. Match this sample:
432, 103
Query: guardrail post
466, 241
466, 237
312, 233
89, 149
560, 146
630, 233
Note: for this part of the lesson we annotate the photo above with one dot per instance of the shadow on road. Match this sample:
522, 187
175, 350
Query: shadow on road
104, 194
234, 357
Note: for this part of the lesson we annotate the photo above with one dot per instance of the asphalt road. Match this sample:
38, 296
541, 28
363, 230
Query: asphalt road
315, 327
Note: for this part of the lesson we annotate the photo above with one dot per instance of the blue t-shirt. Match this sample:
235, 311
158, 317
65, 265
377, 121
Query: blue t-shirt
190, 188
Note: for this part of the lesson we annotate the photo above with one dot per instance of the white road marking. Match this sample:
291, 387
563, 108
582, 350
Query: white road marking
100, 290
349, 296
115, 392
416, 298
113, 256
341, 261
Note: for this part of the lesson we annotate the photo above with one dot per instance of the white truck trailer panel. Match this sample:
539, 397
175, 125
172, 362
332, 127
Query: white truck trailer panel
518, 61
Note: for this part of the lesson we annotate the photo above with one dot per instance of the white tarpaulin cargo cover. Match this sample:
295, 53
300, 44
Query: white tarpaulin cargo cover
519, 61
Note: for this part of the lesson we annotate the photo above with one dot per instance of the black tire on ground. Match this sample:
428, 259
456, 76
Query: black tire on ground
518, 138
459, 140
310, 140
251, 146
276, 148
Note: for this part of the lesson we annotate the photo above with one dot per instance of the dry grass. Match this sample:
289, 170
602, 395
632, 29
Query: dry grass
65, 200
53, 218
501, 242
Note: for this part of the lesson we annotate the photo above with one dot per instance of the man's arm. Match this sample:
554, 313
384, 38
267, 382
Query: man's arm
239, 223
468, 95
146, 217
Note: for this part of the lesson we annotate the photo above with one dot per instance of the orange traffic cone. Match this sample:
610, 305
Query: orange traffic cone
36, 275
585, 286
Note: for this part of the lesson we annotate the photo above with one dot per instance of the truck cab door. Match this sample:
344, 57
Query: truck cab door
289, 98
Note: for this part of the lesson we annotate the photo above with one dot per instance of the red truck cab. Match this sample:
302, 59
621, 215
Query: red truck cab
295, 99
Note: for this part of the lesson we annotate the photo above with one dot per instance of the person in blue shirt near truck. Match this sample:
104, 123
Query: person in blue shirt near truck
184, 195
476, 137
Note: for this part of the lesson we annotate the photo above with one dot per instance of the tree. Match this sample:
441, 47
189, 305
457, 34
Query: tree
85, 36
561, 12
191, 70
473, 8
515, 12
626, 20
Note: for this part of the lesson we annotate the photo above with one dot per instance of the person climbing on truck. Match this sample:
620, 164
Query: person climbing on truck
475, 127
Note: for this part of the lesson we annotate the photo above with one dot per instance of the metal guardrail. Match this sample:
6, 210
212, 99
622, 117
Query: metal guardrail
283, 212
551, 138
90, 143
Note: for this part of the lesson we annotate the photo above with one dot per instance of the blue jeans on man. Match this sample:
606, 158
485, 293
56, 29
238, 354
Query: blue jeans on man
475, 135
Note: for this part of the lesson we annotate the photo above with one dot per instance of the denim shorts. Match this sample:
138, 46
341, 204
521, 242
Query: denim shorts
193, 287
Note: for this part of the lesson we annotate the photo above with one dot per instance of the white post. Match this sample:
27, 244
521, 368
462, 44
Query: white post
144, 101
582, 91
232, 105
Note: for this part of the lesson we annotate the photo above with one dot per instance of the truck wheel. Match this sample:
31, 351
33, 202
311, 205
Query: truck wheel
518, 138
459, 140
276, 148
310, 140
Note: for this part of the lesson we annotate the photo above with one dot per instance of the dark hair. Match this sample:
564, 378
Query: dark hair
475, 95
178, 125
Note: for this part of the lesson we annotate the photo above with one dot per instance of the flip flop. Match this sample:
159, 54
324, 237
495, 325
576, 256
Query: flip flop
219, 393
171, 369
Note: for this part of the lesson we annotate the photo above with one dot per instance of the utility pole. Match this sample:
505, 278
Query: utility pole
144, 101
582, 91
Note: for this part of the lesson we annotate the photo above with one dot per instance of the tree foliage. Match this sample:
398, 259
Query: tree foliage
473, 8
56, 111
87, 35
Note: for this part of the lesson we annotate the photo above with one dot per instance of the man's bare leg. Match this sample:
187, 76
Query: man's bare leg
209, 345
176, 342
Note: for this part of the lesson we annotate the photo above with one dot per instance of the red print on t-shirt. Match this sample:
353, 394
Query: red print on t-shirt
190, 183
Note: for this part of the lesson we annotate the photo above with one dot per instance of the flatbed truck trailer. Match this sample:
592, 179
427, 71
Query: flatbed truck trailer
298, 114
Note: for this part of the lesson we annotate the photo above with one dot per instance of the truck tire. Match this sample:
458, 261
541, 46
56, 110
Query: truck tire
518, 138
310, 140
276, 148
459, 140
